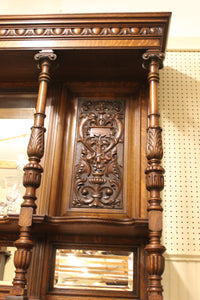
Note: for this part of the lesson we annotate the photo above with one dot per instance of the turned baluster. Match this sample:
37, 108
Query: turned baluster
31, 180
154, 179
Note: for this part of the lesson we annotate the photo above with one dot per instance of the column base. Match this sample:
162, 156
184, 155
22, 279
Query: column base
155, 297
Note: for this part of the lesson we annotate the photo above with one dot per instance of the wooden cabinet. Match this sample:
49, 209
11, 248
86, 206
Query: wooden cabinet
93, 204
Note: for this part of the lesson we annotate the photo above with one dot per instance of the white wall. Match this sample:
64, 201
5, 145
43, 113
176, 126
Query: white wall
179, 92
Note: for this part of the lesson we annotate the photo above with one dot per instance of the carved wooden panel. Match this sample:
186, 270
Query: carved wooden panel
97, 177
99, 168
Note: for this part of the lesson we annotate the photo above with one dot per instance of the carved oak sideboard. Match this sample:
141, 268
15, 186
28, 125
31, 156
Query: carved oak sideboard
91, 220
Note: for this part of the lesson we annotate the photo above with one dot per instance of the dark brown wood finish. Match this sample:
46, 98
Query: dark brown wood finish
32, 178
97, 178
90, 143
154, 178
131, 175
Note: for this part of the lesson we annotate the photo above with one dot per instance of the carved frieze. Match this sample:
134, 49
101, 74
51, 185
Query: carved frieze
97, 179
65, 31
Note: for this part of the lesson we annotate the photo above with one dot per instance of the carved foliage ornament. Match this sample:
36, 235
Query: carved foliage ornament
154, 143
97, 180
36, 142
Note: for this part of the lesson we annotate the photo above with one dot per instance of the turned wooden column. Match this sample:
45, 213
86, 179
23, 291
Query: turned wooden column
31, 180
154, 179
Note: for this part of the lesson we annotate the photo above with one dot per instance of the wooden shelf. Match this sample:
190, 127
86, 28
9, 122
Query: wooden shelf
43, 225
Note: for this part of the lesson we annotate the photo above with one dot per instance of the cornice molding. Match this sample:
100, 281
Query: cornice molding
77, 32
149, 27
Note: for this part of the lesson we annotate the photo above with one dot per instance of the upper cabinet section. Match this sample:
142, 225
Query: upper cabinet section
135, 30
92, 47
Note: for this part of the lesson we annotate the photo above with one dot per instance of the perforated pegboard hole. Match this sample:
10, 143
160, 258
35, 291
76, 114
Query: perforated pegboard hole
179, 101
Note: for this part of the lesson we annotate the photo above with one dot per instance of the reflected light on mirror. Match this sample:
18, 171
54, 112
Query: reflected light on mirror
94, 269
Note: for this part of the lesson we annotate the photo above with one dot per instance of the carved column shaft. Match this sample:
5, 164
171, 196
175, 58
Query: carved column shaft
31, 180
154, 179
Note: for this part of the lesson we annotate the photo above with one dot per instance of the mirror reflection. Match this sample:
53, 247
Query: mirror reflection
94, 269
7, 269
16, 119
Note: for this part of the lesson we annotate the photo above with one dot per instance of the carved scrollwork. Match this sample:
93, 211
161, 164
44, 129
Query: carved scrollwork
97, 180
148, 57
49, 54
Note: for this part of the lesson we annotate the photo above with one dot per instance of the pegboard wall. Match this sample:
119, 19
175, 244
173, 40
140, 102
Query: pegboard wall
179, 101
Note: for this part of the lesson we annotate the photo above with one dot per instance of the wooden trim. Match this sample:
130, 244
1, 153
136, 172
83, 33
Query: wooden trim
154, 179
85, 18
143, 30
82, 44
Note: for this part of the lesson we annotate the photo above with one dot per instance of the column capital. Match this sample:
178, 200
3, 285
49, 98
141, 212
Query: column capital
42, 55
150, 56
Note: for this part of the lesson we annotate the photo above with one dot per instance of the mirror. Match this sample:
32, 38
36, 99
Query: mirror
94, 269
16, 119
7, 269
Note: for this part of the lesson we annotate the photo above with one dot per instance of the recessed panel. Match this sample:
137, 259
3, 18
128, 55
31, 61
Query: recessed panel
98, 166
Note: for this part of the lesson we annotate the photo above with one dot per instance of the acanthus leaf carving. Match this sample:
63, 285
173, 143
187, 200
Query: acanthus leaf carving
154, 143
36, 142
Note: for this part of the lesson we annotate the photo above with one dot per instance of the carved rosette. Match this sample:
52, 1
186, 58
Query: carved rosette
97, 180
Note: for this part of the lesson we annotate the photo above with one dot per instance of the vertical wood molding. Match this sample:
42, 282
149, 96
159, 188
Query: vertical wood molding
36, 270
154, 179
31, 180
